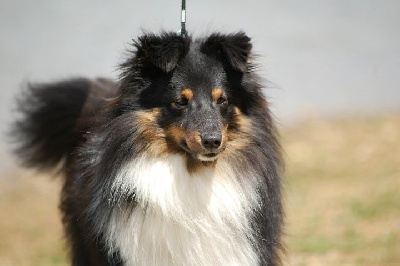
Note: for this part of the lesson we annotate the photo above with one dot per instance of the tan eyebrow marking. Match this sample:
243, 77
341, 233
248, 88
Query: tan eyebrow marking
216, 93
187, 93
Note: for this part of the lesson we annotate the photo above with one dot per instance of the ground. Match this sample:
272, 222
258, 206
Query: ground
342, 198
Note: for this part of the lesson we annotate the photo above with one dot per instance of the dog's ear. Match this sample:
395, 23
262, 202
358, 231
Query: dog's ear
162, 51
235, 48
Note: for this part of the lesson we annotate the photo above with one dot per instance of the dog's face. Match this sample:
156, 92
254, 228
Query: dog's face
193, 90
197, 113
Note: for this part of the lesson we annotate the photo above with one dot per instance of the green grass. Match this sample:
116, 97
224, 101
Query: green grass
342, 190
376, 206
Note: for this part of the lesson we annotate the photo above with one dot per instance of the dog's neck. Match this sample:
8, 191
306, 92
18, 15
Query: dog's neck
183, 217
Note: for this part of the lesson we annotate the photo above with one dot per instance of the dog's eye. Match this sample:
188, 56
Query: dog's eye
222, 101
180, 103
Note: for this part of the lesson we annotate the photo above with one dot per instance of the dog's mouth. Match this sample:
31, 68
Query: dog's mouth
208, 157
201, 156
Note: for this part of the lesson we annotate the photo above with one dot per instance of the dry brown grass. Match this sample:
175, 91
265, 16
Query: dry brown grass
342, 189
30, 228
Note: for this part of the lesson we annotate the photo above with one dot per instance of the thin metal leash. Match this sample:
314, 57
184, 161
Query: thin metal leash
183, 19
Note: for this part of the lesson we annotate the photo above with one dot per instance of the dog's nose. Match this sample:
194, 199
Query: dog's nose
211, 140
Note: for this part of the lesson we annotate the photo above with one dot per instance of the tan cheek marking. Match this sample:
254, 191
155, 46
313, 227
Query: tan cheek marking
237, 111
187, 94
239, 139
194, 141
147, 117
216, 93
148, 131
243, 122
175, 133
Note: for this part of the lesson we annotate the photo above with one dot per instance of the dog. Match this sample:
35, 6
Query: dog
176, 163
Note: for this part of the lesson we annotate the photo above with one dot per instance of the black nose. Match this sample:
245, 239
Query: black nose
211, 140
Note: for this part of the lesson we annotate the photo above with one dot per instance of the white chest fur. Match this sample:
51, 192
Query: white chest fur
182, 218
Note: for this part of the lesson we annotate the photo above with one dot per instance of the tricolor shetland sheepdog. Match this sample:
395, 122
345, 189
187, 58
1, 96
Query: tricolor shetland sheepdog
176, 163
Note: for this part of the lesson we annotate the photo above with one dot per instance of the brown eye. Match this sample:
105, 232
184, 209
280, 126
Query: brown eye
222, 101
180, 103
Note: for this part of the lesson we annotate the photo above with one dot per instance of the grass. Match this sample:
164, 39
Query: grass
30, 228
342, 190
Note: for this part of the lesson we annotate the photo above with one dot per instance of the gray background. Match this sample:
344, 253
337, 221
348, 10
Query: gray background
322, 57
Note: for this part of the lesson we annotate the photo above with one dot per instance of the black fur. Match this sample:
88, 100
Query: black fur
48, 126
91, 126
235, 49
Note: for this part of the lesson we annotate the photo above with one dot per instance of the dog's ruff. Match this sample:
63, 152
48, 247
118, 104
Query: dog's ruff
183, 218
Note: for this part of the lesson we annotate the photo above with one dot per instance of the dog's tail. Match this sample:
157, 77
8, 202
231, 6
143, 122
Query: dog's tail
54, 119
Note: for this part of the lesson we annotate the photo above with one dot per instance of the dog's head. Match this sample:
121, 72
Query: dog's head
196, 91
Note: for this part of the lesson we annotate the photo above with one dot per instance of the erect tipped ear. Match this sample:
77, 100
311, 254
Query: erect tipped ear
162, 51
235, 48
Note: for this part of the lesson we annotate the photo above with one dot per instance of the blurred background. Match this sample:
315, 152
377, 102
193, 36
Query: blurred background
333, 72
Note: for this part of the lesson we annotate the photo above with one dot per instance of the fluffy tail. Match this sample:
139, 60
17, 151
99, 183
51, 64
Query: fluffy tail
54, 119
